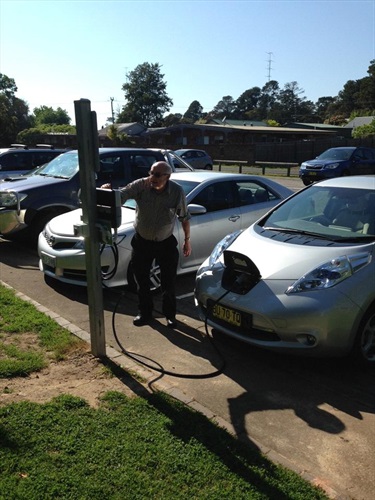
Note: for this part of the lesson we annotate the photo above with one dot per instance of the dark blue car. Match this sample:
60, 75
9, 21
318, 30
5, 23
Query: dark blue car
337, 162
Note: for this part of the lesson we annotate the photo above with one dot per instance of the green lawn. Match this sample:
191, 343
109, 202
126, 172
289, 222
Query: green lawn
128, 448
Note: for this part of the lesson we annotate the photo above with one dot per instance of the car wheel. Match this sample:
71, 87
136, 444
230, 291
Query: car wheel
208, 167
39, 221
364, 346
306, 182
345, 173
155, 282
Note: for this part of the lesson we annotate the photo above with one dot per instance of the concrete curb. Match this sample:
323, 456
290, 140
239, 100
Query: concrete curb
126, 363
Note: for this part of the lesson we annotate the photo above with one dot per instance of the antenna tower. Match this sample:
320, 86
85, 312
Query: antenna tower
270, 54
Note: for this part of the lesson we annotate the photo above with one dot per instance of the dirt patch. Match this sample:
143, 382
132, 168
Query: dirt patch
80, 374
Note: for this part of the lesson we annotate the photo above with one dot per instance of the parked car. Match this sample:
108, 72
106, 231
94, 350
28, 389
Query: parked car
337, 162
19, 160
219, 204
28, 202
197, 158
300, 280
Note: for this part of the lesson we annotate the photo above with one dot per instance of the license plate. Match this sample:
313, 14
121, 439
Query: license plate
227, 315
48, 260
312, 173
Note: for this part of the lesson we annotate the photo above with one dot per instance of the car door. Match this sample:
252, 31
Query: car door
112, 170
256, 198
363, 162
223, 216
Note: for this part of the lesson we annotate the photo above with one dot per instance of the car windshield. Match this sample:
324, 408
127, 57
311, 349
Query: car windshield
336, 154
328, 212
62, 167
187, 186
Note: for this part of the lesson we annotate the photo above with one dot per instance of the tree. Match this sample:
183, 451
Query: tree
45, 115
172, 119
247, 101
267, 99
193, 113
14, 112
145, 93
224, 108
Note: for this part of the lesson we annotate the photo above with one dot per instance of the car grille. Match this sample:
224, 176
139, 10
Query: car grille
78, 275
315, 167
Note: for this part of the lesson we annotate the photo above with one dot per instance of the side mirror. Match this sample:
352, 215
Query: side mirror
197, 209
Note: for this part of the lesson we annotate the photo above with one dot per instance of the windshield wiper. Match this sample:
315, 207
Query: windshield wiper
297, 231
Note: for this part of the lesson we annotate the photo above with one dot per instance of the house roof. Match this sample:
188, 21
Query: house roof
134, 128
359, 121
245, 123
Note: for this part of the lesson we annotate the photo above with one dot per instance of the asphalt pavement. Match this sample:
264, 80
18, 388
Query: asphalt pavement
316, 417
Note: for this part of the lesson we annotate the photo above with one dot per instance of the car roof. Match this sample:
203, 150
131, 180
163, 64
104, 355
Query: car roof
203, 175
190, 149
352, 181
113, 150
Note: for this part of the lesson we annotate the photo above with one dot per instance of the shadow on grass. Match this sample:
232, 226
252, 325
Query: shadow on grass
243, 459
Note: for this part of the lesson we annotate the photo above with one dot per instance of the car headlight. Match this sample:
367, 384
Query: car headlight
332, 165
303, 166
330, 273
11, 198
221, 246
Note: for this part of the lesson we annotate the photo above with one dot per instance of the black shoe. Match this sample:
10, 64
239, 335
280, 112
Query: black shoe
171, 322
141, 320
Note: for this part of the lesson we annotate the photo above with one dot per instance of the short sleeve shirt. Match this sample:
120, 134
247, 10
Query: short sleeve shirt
156, 212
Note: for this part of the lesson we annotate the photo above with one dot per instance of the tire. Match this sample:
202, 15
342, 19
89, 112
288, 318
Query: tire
155, 283
38, 223
208, 167
306, 182
345, 173
364, 345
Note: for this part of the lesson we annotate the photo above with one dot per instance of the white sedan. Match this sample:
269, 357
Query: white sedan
219, 203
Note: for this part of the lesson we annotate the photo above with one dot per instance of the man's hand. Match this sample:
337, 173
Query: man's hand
106, 186
187, 248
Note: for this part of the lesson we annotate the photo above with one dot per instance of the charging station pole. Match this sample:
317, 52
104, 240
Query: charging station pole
88, 155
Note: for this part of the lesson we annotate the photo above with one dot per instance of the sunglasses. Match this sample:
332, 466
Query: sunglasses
156, 174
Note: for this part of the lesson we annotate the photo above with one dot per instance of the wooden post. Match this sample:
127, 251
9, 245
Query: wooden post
88, 155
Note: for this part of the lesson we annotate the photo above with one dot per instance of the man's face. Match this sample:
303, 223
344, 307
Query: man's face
158, 177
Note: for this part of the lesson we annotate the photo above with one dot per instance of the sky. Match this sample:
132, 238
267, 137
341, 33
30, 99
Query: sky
61, 51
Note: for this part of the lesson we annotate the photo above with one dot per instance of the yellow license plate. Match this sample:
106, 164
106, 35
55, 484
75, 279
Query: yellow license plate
312, 173
227, 315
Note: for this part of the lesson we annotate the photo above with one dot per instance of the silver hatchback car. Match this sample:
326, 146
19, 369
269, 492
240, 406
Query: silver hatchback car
302, 278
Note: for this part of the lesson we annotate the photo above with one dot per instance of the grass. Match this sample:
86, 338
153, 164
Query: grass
128, 448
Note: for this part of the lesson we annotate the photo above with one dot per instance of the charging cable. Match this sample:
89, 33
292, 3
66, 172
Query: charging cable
150, 363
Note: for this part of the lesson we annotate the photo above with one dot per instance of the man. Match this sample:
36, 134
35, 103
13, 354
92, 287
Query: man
160, 201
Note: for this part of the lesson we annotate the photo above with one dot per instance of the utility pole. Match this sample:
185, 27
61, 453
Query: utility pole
112, 114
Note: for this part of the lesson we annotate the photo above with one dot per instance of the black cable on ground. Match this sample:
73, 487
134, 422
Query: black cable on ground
159, 367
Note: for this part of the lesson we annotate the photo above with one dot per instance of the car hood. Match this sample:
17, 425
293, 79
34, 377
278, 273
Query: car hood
27, 182
63, 225
323, 162
282, 260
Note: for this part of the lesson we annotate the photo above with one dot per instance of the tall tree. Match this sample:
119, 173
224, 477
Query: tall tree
146, 96
224, 108
193, 113
14, 112
45, 115
247, 102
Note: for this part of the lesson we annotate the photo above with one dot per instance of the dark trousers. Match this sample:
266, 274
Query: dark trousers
166, 255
